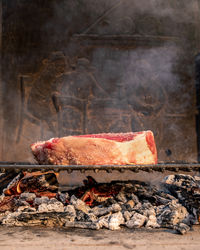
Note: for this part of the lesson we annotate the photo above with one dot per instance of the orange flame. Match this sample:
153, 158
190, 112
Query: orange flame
16, 189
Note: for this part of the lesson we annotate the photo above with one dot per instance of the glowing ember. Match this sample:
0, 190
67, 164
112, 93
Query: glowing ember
35, 182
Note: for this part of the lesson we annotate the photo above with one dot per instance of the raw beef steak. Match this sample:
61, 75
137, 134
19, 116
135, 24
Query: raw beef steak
98, 149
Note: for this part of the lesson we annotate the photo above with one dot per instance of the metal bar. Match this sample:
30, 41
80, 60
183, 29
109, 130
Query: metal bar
174, 167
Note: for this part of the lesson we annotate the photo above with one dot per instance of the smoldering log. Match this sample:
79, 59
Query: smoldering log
5, 178
36, 219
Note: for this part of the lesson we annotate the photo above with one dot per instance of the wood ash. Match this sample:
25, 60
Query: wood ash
31, 200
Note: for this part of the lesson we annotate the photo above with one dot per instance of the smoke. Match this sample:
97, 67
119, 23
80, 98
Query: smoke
147, 82
68, 181
133, 70
180, 11
121, 17
143, 81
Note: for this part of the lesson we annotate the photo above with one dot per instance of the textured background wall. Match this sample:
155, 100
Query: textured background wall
72, 67
1, 91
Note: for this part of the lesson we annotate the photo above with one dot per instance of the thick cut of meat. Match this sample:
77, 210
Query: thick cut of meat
98, 149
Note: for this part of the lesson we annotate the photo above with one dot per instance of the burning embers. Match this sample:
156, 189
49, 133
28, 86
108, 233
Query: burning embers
43, 184
34, 199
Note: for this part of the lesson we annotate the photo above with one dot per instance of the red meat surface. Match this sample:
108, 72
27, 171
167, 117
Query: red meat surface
98, 149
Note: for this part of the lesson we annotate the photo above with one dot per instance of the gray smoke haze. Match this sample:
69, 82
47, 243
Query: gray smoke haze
181, 11
148, 74
151, 68
123, 74
121, 15
146, 81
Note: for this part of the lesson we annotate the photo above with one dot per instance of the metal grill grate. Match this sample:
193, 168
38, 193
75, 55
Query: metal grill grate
161, 167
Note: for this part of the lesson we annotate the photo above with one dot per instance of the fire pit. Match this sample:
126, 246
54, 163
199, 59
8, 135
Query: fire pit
112, 67
36, 199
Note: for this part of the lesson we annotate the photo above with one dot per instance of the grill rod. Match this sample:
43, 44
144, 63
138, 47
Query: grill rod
161, 167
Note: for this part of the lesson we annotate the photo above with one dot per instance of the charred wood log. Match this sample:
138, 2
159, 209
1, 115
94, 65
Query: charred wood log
36, 219
187, 190
5, 179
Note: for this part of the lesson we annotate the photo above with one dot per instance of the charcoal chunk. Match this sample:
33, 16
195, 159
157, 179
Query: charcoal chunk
136, 221
115, 220
171, 214
182, 228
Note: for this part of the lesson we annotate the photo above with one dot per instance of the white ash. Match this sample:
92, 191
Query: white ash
164, 200
181, 180
146, 208
79, 204
20, 203
136, 205
87, 216
84, 225
115, 220
99, 211
186, 189
91, 217
25, 199
34, 219
182, 228
64, 197
53, 205
44, 183
104, 220
40, 200
27, 196
193, 218
149, 212
171, 214
10, 219
130, 204
152, 222
81, 216
26, 209
111, 221
127, 215
70, 213
135, 198
121, 197
136, 221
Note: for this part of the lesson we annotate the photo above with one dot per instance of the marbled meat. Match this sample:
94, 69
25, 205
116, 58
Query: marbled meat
98, 149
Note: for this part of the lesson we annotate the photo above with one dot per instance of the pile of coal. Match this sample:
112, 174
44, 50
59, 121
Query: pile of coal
134, 204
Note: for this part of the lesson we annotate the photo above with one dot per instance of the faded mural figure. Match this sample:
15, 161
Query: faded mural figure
70, 100
146, 97
81, 83
77, 89
39, 107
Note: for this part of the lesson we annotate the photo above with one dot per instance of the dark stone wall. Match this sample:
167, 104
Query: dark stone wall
73, 67
1, 92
